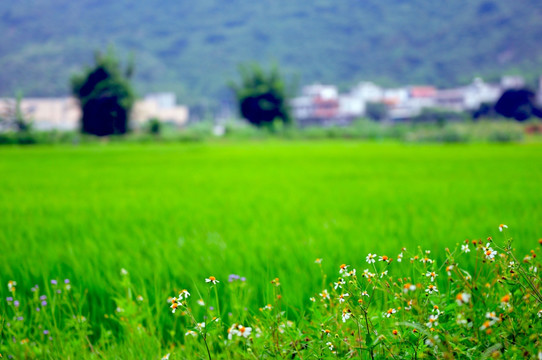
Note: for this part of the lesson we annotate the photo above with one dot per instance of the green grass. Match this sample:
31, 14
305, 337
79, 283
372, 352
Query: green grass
175, 214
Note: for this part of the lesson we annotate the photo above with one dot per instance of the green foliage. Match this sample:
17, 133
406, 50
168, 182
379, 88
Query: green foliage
261, 96
484, 130
105, 95
376, 111
13, 118
409, 307
154, 126
519, 104
439, 116
480, 131
481, 299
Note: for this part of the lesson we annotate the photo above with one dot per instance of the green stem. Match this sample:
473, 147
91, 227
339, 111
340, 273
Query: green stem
207, 347
218, 304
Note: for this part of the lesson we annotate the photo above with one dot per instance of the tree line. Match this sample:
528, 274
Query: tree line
106, 95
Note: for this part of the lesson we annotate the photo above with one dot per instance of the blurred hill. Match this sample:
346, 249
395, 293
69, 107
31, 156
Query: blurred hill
193, 47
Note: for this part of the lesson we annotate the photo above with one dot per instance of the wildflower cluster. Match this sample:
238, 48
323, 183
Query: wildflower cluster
382, 313
478, 300
37, 319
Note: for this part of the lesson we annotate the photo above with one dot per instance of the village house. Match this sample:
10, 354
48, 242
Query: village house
64, 113
409, 102
323, 105
470, 97
367, 92
46, 113
161, 106
317, 105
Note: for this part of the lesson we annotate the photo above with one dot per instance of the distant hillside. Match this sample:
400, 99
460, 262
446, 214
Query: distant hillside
194, 47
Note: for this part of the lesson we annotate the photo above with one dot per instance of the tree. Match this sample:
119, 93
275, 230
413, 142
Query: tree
14, 117
261, 96
518, 104
105, 94
376, 111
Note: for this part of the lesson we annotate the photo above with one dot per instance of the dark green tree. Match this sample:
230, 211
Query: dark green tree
14, 118
154, 126
376, 111
261, 96
519, 104
105, 94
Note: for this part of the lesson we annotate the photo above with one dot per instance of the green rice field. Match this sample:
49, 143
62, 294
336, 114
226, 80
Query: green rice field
175, 214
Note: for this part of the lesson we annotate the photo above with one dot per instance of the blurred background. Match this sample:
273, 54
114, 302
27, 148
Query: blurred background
338, 62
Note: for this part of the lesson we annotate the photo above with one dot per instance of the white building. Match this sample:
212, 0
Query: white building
351, 106
479, 92
302, 107
324, 92
395, 96
512, 82
368, 92
161, 106
469, 97
323, 105
46, 113
163, 100
420, 97
65, 113
451, 99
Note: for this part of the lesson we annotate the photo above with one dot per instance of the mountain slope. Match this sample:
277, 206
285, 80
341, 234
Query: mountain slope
193, 48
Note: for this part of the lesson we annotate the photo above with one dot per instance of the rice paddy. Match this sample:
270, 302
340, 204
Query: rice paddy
174, 214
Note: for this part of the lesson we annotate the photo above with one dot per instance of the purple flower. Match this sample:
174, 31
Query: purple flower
45, 332
211, 308
9, 299
243, 279
66, 281
20, 318
54, 282
43, 297
38, 309
44, 303
16, 303
58, 291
